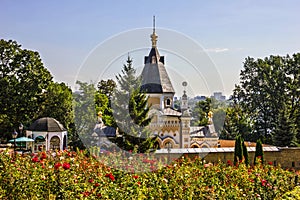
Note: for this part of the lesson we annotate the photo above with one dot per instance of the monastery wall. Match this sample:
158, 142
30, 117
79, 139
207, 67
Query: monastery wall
284, 157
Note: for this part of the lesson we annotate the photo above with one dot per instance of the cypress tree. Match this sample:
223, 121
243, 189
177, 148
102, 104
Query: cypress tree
238, 150
245, 153
259, 152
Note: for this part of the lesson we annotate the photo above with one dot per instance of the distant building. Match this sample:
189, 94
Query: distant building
199, 98
218, 96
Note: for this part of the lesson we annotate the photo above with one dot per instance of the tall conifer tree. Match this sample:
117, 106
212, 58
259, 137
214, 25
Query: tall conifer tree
130, 111
285, 131
259, 154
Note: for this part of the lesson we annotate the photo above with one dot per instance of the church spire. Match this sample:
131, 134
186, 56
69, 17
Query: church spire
153, 35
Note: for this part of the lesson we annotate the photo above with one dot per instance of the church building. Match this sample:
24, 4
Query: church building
173, 127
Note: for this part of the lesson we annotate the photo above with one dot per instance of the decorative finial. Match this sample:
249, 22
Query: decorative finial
153, 35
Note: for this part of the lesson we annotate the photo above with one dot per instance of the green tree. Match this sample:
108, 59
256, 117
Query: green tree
285, 131
265, 85
107, 87
259, 153
23, 78
245, 153
238, 150
200, 112
85, 117
219, 115
131, 110
58, 104
103, 98
237, 122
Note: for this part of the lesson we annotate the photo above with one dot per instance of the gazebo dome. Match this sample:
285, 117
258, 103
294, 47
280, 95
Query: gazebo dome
47, 124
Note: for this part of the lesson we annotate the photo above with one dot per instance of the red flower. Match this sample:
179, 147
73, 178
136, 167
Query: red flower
152, 168
135, 177
66, 166
97, 185
35, 159
229, 162
91, 180
110, 176
270, 163
85, 194
263, 182
57, 165
44, 156
139, 183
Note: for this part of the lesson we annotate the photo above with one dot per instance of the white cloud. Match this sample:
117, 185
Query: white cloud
216, 50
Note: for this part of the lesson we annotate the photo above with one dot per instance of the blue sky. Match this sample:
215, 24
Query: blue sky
66, 33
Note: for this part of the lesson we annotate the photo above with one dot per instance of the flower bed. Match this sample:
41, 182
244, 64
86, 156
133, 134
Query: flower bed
71, 175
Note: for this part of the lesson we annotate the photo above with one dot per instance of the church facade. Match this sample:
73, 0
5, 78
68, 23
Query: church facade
173, 127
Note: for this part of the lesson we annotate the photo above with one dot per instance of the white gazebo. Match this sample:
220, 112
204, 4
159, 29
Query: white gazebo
48, 134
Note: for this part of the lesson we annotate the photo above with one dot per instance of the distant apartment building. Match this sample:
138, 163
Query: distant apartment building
218, 96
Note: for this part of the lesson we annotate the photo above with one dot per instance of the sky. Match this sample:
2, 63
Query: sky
204, 42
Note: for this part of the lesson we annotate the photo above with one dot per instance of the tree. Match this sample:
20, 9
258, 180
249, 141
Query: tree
285, 131
237, 122
131, 110
23, 78
265, 85
238, 150
219, 115
259, 153
107, 87
245, 153
84, 114
200, 112
103, 99
58, 103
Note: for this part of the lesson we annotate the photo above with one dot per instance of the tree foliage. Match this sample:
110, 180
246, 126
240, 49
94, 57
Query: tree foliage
259, 153
266, 84
285, 131
107, 87
23, 78
200, 112
84, 114
58, 103
130, 110
238, 150
103, 99
236, 123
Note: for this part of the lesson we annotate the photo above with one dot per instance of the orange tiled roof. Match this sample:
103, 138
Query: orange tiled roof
231, 143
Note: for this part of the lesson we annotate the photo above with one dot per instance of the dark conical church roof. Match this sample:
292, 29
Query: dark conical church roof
47, 124
155, 78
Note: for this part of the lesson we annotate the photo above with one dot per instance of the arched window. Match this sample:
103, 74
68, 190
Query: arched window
168, 103
55, 143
